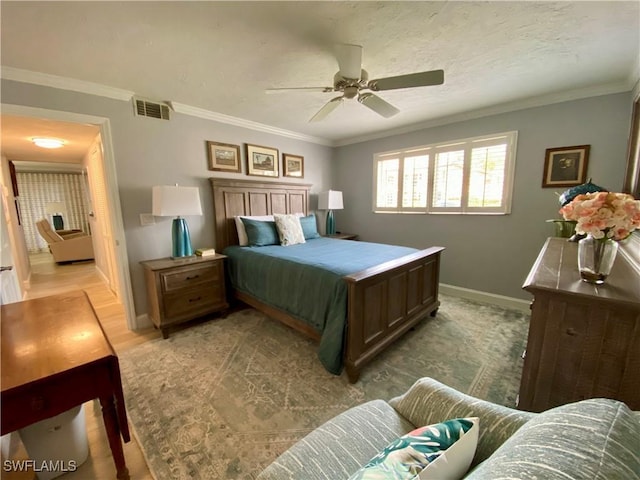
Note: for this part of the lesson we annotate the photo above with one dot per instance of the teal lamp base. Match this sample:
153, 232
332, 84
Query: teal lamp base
181, 239
331, 223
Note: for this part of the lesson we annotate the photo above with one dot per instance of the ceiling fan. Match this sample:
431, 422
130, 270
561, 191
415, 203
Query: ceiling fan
353, 82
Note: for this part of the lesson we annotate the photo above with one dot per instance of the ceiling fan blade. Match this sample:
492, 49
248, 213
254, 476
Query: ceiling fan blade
378, 105
349, 60
421, 79
269, 91
328, 107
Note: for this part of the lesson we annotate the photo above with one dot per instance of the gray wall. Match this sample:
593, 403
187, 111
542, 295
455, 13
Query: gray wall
487, 253
155, 152
491, 253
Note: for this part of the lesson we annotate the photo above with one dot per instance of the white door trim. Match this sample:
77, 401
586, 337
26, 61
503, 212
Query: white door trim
111, 180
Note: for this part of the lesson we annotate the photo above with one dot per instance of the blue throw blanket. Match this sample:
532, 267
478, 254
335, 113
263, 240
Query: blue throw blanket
305, 281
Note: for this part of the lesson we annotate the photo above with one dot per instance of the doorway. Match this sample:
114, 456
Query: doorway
102, 181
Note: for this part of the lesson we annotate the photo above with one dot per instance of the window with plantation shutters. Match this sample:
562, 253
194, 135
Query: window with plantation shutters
473, 175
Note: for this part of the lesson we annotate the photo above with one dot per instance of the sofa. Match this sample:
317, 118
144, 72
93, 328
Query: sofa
590, 439
70, 247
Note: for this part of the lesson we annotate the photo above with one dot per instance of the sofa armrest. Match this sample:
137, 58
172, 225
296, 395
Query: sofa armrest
339, 447
429, 401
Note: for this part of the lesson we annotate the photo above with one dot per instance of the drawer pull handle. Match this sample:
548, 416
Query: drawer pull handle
195, 299
193, 277
571, 332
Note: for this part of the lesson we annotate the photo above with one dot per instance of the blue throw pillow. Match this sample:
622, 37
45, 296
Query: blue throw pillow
309, 227
260, 233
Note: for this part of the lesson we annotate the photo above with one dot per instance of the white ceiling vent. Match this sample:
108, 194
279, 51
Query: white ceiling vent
148, 108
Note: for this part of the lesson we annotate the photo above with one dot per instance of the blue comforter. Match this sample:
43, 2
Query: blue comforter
305, 281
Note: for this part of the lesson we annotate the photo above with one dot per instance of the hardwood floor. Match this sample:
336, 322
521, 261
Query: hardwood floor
47, 278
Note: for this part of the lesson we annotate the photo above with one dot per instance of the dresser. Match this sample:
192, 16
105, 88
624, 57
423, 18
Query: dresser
182, 289
584, 339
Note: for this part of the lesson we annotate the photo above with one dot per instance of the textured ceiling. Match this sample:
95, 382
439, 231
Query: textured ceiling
221, 56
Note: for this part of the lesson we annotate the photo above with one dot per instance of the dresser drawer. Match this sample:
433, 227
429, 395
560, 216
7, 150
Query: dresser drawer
192, 301
189, 277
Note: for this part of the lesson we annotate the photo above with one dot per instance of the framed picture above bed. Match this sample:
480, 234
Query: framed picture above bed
262, 161
224, 157
292, 165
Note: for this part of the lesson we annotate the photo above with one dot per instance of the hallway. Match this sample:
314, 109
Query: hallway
48, 278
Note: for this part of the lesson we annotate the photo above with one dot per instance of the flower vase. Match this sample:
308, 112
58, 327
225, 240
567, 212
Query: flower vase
595, 258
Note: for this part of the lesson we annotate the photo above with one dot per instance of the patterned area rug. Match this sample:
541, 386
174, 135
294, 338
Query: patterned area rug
222, 399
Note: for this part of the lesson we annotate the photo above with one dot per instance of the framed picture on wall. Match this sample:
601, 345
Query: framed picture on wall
565, 166
262, 161
292, 165
224, 157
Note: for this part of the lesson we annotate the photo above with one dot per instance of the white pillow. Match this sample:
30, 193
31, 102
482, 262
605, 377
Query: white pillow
243, 240
456, 460
435, 452
289, 229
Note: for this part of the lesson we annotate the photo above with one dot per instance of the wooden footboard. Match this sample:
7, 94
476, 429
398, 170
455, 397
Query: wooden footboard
387, 300
383, 301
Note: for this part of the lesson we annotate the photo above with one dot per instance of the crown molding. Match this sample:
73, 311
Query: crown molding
240, 122
64, 83
531, 102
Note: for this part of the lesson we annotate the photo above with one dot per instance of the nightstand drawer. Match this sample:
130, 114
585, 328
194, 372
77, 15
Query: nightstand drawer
189, 277
191, 301
182, 289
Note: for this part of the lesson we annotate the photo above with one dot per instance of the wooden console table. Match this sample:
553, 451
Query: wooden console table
56, 356
584, 339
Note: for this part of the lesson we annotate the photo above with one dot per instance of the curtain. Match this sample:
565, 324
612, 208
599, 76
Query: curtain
37, 189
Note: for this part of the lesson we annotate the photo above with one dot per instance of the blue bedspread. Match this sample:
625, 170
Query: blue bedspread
305, 280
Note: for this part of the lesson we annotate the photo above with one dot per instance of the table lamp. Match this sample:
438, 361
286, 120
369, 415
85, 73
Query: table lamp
55, 209
170, 201
330, 200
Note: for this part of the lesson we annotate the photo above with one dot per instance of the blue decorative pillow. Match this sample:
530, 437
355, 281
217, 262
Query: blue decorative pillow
309, 227
440, 451
260, 234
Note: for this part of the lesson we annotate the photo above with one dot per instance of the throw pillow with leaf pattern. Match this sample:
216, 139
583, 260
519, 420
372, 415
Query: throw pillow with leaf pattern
442, 451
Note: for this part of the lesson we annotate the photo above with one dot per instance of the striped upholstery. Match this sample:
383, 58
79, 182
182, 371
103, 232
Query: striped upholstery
593, 439
429, 401
341, 446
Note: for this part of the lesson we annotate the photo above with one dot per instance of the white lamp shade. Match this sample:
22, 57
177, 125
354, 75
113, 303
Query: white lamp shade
330, 200
54, 207
175, 201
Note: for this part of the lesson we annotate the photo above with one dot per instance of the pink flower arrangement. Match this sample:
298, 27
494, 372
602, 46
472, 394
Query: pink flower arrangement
604, 214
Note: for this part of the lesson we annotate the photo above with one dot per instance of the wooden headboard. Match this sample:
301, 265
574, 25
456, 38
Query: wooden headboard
249, 197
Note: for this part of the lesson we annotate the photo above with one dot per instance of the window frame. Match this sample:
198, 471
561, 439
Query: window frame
432, 150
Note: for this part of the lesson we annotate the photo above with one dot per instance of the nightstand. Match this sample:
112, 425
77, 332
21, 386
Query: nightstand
344, 236
182, 289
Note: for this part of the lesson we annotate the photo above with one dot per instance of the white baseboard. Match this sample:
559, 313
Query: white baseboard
477, 295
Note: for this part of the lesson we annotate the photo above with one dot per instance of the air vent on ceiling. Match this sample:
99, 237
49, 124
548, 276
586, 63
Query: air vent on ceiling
147, 108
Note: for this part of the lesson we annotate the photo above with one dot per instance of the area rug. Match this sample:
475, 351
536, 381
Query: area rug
222, 399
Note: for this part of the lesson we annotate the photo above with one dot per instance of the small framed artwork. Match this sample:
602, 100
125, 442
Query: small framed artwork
565, 166
292, 165
262, 161
224, 157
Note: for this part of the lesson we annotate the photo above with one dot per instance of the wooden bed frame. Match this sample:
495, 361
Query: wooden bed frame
383, 302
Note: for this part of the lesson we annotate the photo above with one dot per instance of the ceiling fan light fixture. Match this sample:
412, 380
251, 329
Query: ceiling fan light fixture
48, 142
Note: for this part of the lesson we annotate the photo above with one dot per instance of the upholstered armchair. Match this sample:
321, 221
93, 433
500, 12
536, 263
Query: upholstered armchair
71, 247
